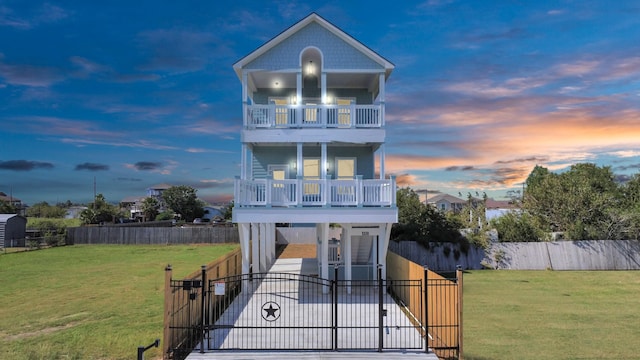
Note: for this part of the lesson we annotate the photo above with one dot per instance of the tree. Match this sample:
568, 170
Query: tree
44, 210
150, 208
99, 211
7, 208
422, 223
227, 211
583, 202
183, 201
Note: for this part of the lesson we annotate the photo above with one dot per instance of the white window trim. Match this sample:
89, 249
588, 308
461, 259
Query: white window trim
355, 166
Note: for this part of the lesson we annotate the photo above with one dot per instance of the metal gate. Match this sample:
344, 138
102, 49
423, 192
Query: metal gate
284, 311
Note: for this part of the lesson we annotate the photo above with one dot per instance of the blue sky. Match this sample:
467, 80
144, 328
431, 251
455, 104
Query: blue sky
138, 93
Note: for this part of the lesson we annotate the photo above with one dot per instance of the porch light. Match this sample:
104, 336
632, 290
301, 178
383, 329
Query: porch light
294, 100
310, 69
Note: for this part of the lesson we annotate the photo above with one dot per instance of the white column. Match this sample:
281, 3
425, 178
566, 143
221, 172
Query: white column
243, 162
263, 248
299, 88
381, 95
299, 162
249, 168
375, 248
385, 234
245, 85
271, 232
244, 234
323, 161
323, 87
255, 248
319, 247
299, 97
346, 247
382, 155
324, 242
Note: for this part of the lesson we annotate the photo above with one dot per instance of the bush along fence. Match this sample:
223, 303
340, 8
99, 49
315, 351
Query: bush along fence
184, 305
441, 313
151, 235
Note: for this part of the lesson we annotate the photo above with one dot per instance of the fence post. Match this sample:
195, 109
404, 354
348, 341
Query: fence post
459, 278
380, 309
202, 306
168, 305
426, 309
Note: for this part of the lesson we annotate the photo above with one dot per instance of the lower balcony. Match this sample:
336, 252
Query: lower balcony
315, 193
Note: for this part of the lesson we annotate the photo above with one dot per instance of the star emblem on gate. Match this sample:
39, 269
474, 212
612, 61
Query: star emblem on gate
270, 311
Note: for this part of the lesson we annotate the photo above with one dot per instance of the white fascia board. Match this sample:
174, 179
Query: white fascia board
349, 136
316, 215
301, 24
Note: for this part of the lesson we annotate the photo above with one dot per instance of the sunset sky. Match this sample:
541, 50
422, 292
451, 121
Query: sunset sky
137, 93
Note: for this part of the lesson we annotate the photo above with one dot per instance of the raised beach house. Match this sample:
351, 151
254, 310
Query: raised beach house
313, 149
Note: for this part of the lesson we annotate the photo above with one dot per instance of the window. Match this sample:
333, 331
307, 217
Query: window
345, 168
279, 172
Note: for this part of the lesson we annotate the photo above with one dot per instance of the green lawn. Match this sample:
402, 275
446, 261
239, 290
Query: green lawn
551, 315
89, 301
102, 302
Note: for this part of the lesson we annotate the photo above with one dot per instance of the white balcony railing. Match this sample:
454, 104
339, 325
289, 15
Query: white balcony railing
314, 116
301, 193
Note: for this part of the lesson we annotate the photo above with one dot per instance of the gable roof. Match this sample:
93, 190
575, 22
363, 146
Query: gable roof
313, 17
500, 204
5, 217
446, 197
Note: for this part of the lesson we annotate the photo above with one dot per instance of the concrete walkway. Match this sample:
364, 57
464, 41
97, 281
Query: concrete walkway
355, 308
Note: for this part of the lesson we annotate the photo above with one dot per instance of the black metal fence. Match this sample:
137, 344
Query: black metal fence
287, 311
284, 311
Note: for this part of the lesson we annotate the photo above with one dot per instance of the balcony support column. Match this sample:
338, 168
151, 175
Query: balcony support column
346, 255
271, 232
263, 247
255, 248
299, 169
244, 234
243, 162
298, 98
382, 156
245, 84
323, 99
323, 234
381, 96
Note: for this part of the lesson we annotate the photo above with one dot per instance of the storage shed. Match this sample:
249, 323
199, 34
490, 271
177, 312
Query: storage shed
12, 230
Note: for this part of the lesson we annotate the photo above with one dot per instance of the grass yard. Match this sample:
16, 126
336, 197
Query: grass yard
551, 315
89, 301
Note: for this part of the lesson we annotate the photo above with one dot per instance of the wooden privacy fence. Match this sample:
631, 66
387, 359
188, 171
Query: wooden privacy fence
183, 307
151, 235
443, 315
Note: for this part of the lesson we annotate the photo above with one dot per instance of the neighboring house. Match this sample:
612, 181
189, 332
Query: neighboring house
17, 203
133, 205
156, 192
73, 212
446, 202
212, 213
313, 140
12, 230
497, 208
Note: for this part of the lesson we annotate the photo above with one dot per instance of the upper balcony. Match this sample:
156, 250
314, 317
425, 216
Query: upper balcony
314, 116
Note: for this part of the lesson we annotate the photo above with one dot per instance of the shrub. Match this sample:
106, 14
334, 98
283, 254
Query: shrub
517, 227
